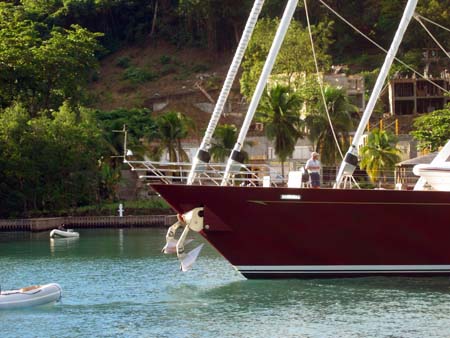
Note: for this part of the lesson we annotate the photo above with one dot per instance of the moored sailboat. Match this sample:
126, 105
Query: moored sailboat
272, 232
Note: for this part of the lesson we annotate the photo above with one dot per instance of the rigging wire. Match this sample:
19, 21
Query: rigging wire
319, 79
432, 22
382, 48
431, 35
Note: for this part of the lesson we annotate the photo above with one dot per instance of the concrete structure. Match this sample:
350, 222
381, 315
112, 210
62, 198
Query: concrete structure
409, 96
352, 84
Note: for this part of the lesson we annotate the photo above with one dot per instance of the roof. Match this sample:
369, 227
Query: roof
425, 159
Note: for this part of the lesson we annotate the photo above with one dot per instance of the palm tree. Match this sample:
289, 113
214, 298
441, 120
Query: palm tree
379, 155
279, 110
317, 122
172, 128
223, 142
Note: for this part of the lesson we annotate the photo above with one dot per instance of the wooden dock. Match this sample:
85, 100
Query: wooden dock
45, 224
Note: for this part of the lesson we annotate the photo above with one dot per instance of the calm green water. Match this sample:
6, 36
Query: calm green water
116, 283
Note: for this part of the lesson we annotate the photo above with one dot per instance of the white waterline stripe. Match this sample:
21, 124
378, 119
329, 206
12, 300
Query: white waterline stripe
349, 268
353, 272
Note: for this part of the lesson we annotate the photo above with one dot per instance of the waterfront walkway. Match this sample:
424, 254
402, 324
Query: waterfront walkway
45, 224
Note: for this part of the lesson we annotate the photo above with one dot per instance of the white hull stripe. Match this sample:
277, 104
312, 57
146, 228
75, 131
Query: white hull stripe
342, 268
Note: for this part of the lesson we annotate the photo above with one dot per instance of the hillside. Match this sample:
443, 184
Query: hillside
162, 78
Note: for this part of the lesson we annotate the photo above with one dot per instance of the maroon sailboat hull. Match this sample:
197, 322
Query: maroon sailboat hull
310, 233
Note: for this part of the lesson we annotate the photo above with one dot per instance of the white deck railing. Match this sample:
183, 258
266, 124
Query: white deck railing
207, 174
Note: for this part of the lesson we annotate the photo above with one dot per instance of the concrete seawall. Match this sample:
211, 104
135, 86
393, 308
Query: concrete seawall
45, 224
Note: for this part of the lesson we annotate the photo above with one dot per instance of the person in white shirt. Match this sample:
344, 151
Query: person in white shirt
313, 167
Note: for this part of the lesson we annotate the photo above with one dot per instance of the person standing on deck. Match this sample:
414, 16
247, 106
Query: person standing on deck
313, 167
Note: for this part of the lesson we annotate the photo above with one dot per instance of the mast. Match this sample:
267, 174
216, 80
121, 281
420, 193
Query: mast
202, 154
351, 158
236, 156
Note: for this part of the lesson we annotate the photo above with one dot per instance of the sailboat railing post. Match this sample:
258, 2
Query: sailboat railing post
236, 156
202, 153
351, 158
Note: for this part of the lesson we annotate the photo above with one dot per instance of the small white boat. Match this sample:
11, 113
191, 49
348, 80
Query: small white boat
56, 233
34, 295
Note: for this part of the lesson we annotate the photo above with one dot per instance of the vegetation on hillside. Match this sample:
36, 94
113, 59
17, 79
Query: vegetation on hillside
55, 149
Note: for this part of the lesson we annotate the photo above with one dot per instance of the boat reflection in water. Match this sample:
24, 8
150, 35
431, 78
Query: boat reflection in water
62, 244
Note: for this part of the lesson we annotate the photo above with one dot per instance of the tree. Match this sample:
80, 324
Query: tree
42, 67
49, 163
279, 110
294, 58
213, 24
379, 155
172, 128
318, 125
140, 125
225, 137
432, 130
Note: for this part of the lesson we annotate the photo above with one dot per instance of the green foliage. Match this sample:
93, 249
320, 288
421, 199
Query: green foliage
225, 137
370, 77
168, 69
318, 124
412, 58
217, 25
295, 56
379, 155
432, 130
172, 128
42, 67
140, 126
211, 24
48, 162
138, 75
123, 62
200, 68
279, 110
165, 59
364, 61
154, 206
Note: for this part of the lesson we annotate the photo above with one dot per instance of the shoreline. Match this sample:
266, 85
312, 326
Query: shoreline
85, 222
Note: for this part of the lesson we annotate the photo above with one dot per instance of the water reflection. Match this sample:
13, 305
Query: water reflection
326, 292
121, 241
63, 244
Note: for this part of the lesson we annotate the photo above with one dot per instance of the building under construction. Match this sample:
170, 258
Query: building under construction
410, 95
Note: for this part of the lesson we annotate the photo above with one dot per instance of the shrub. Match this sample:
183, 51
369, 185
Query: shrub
123, 62
165, 59
139, 75
200, 68
168, 69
